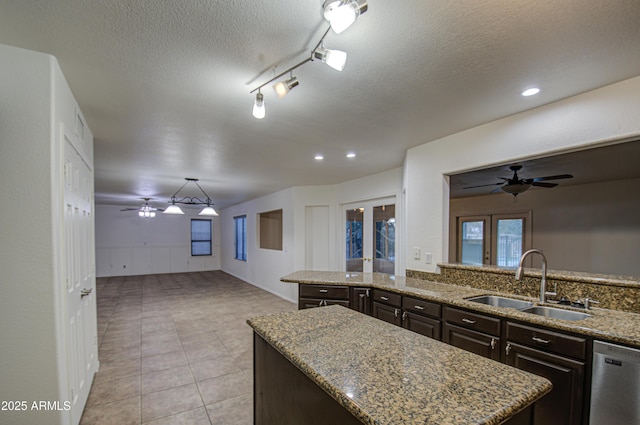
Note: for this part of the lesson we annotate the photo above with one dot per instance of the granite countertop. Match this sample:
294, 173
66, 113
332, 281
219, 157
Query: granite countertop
604, 324
384, 374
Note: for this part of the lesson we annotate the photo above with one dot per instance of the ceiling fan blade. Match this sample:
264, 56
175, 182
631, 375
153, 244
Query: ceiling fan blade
484, 185
130, 209
558, 177
540, 184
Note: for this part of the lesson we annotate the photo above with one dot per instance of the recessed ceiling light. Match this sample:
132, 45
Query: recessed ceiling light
531, 91
351, 155
319, 157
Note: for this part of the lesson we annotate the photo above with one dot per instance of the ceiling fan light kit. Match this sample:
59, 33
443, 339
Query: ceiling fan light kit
146, 210
516, 185
341, 14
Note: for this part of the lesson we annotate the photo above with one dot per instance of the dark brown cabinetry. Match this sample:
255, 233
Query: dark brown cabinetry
387, 306
558, 357
310, 296
360, 300
421, 316
473, 332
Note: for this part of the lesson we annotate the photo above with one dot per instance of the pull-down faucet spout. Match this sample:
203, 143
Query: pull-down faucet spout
543, 281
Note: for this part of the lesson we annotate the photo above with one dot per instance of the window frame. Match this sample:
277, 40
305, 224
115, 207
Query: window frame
490, 229
240, 238
199, 241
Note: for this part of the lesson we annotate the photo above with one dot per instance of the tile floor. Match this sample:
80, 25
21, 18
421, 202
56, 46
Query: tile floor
176, 349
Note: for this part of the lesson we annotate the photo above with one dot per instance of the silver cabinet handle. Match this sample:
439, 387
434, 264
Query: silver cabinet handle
396, 311
540, 340
384, 298
320, 303
493, 343
507, 350
85, 292
324, 291
404, 315
367, 292
418, 307
465, 320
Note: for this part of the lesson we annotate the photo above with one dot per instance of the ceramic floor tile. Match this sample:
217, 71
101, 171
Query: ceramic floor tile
171, 344
233, 411
192, 417
167, 378
224, 387
163, 361
123, 412
170, 401
213, 368
106, 388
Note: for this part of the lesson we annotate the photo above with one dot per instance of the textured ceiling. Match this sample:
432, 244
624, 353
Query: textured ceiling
164, 85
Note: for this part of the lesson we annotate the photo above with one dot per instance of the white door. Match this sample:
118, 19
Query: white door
79, 279
369, 236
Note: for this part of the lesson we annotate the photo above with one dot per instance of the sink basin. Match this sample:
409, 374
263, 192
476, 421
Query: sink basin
556, 313
497, 301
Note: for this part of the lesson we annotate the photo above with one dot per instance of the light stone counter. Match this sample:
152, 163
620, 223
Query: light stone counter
384, 374
604, 324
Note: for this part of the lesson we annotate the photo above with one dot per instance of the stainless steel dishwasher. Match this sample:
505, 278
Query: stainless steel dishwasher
615, 386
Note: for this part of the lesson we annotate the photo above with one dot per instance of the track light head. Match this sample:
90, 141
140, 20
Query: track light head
336, 59
258, 107
285, 86
341, 14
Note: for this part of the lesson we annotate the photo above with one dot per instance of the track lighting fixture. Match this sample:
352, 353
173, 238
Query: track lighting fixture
285, 86
258, 106
340, 14
188, 200
336, 59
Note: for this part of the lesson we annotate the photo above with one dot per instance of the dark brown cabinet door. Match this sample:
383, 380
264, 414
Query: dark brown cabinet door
422, 325
387, 313
563, 405
360, 300
476, 342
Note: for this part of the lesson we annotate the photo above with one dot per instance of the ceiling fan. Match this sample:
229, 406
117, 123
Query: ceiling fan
146, 210
516, 185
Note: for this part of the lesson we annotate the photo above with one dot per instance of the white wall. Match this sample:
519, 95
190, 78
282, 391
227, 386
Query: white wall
128, 245
592, 118
264, 268
589, 227
35, 101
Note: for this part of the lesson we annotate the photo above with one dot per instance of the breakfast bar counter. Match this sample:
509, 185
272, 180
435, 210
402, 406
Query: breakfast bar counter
372, 372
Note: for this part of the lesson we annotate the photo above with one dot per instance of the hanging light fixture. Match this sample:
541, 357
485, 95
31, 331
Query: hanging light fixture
188, 200
341, 14
285, 86
258, 106
336, 59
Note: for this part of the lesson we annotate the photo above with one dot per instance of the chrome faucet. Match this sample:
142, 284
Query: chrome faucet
543, 281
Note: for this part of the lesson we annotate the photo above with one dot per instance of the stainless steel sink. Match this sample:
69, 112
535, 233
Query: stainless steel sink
497, 301
556, 313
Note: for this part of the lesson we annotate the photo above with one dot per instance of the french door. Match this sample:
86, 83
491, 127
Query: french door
370, 236
498, 239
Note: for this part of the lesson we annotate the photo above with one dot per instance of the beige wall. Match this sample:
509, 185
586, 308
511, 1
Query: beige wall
590, 227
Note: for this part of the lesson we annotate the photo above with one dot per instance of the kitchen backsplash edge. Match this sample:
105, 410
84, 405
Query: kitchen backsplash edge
612, 292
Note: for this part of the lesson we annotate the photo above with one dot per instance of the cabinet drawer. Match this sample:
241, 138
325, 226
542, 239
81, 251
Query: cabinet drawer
324, 291
387, 297
304, 303
477, 322
547, 340
419, 306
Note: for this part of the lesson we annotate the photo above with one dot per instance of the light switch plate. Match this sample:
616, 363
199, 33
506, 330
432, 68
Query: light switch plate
416, 253
427, 257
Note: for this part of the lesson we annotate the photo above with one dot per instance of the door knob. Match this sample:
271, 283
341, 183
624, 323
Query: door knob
85, 292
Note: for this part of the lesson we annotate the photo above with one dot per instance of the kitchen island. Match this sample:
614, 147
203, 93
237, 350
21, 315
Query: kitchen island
334, 365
